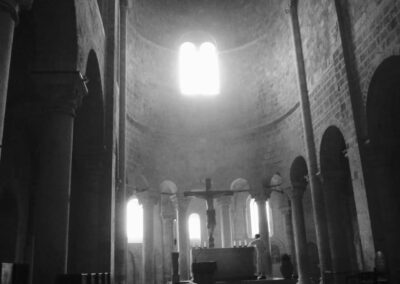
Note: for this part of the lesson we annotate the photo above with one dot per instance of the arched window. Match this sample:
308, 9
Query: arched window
134, 221
254, 218
194, 229
198, 69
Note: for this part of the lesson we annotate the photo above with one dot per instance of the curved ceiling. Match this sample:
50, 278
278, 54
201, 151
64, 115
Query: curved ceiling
251, 36
233, 22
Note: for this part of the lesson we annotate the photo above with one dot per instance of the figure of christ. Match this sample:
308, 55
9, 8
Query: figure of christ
209, 196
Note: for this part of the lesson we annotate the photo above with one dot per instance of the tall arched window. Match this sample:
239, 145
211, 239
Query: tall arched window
254, 218
198, 69
194, 229
134, 221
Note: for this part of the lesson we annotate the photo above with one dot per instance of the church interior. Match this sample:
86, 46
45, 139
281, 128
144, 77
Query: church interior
142, 140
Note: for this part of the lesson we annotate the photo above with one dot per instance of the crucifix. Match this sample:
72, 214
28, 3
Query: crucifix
208, 195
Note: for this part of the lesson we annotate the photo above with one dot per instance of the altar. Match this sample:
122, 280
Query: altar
232, 263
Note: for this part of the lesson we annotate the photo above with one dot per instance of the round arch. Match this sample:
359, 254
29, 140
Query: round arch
340, 205
240, 184
383, 160
298, 170
169, 187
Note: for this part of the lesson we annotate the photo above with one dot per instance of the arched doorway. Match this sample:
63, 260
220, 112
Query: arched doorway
383, 164
89, 212
341, 211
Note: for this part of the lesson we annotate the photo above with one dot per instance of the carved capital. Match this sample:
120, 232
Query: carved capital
148, 198
60, 91
261, 194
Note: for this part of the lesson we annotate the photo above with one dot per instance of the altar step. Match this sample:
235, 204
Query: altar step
270, 281
261, 281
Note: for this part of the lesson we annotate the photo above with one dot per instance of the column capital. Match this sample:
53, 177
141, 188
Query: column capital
13, 6
261, 194
59, 91
149, 197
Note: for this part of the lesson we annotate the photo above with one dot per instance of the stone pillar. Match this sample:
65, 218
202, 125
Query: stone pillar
60, 94
168, 215
121, 242
148, 199
225, 202
296, 197
9, 10
315, 182
261, 198
287, 215
181, 204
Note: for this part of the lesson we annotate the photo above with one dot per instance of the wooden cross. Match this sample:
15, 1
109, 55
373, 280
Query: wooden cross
208, 195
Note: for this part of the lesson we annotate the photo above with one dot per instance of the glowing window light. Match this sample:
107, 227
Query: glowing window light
134, 221
194, 228
254, 218
198, 69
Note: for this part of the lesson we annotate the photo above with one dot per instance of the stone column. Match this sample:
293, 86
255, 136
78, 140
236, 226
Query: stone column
60, 94
9, 10
168, 215
287, 213
181, 204
148, 199
315, 182
296, 197
225, 202
261, 198
121, 242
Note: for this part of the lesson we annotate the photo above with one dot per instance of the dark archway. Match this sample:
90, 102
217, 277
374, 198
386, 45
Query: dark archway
383, 166
90, 209
8, 226
340, 206
298, 171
